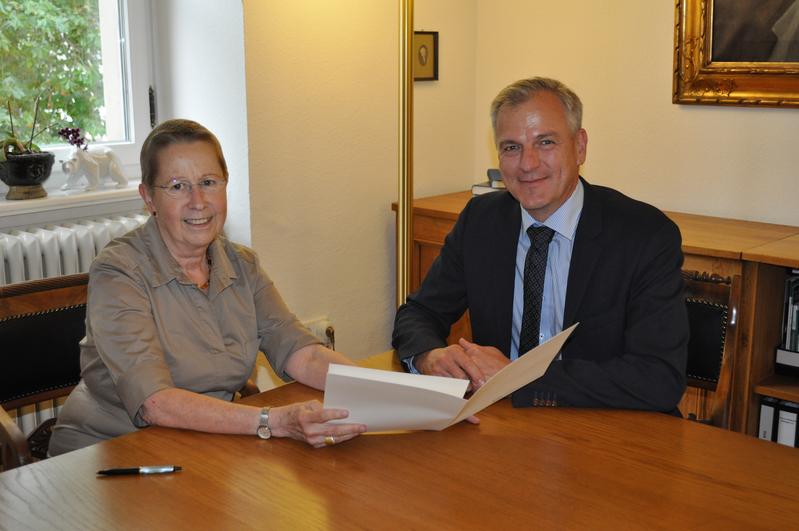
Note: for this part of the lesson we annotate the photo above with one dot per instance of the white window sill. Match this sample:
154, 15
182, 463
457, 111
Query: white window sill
69, 205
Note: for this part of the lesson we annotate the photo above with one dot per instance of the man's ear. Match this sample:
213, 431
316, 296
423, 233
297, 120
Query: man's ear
581, 145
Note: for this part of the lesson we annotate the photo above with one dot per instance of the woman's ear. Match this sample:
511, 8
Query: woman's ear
144, 192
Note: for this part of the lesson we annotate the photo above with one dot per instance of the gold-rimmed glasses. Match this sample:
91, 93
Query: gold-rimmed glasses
182, 188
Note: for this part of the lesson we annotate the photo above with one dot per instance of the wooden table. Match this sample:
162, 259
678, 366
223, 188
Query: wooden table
537, 468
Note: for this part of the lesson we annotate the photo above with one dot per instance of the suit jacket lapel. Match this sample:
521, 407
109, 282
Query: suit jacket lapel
504, 276
585, 253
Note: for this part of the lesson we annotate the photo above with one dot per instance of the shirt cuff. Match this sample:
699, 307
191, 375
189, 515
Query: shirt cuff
410, 365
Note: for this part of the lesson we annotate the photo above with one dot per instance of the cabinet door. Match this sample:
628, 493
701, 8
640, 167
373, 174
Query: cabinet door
425, 254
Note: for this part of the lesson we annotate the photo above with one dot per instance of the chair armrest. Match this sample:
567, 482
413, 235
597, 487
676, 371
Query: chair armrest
15, 451
249, 389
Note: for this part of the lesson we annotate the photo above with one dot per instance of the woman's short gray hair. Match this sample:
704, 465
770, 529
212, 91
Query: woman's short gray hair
524, 89
171, 132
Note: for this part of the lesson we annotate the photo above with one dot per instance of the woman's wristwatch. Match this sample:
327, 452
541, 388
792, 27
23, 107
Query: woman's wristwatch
263, 431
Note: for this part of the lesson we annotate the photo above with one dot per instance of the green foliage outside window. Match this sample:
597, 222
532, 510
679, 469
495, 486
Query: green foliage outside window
51, 48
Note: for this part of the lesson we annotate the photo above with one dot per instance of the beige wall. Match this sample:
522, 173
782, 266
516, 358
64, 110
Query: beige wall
444, 110
617, 55
321, 112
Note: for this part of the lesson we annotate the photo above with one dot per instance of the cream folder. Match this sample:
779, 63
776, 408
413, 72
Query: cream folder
389, 401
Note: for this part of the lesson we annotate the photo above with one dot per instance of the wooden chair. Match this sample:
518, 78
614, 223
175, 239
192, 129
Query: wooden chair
41, 323
712, 303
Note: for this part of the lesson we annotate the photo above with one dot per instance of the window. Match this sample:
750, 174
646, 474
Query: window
89, 61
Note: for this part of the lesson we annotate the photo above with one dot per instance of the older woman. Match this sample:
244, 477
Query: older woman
177, 314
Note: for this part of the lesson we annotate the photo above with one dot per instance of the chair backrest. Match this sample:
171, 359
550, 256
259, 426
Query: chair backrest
41, 324
712, 303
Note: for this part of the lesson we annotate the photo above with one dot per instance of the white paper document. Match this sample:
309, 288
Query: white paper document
388, 401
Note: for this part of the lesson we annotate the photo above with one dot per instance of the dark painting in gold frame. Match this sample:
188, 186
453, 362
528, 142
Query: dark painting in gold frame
698, 79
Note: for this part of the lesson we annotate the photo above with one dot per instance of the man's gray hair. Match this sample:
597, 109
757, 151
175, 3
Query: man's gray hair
524, 89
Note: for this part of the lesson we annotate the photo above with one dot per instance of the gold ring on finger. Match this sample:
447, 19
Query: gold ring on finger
330, 440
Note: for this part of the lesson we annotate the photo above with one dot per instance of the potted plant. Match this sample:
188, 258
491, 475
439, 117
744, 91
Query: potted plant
23, 166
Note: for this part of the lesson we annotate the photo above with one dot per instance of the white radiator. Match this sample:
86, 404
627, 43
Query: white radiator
50, 251
60, 249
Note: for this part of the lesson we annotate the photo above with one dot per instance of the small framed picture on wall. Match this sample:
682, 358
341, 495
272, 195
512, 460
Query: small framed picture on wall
425, 55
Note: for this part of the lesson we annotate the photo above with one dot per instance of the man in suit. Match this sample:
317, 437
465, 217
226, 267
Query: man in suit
611, 263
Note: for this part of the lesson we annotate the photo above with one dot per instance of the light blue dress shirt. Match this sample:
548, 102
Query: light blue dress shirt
564, 222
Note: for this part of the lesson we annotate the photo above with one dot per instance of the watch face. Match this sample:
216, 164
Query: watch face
264, 432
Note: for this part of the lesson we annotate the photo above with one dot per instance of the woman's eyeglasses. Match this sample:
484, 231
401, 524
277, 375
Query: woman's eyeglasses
181, 189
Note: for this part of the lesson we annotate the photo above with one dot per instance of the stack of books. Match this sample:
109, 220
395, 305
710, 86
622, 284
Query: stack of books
787, 361
488, 186
778, 421
493, 184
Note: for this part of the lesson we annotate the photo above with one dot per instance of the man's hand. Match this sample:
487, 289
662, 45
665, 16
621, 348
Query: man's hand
451, 361
489, 360
465, 360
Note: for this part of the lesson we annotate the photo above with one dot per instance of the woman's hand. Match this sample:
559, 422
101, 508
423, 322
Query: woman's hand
308, 421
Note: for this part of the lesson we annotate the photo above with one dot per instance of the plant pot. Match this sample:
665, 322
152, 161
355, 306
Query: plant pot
25, 173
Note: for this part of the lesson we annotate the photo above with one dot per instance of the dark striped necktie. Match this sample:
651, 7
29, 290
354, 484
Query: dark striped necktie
535, 269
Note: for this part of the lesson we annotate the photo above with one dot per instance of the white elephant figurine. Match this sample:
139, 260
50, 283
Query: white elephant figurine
94, 164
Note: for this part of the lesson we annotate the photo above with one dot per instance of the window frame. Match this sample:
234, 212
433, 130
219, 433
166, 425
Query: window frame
136, 30
137, 27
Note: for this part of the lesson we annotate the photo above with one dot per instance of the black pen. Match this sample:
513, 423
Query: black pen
157, 469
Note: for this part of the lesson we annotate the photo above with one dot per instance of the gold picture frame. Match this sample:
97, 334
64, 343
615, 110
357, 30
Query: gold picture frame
699, 79
425, 56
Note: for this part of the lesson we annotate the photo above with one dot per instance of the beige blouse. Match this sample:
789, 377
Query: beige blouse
148, 328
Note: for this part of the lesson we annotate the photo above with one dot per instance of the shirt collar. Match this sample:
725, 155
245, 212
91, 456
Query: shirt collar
564, 220
165, 268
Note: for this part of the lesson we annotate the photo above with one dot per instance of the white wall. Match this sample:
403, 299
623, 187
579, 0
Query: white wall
617, 55
444, 110
322, 116
200, 76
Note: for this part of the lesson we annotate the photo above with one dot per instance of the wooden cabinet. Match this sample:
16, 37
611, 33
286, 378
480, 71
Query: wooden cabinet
760, 252
433, 218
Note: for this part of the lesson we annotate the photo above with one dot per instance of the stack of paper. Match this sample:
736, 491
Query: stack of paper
388, 401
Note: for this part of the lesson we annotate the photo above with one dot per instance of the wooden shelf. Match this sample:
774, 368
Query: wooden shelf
726, 238
779, 386
783, 252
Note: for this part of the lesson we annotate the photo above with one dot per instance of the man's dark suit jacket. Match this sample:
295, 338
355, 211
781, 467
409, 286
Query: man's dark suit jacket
624, 288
